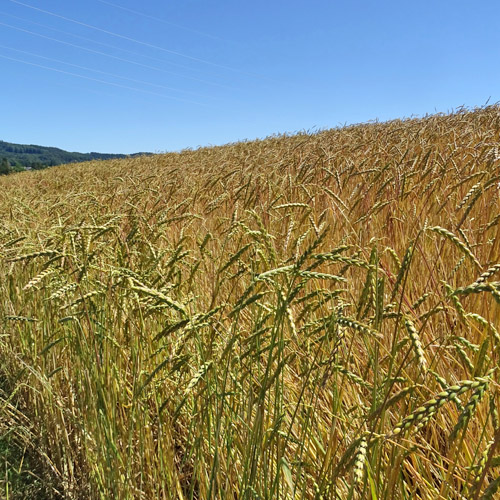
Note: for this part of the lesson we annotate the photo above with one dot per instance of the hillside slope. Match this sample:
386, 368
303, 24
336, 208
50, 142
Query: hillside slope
38, 157
306, 317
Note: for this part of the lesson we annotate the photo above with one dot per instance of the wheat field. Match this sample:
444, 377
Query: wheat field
312, 316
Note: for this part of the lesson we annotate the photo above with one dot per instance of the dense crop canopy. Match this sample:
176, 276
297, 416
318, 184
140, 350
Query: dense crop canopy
304, 317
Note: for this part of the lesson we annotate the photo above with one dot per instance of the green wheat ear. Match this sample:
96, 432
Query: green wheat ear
417, 344
422, 414
454, 239
478, 471
469, 409
359, 460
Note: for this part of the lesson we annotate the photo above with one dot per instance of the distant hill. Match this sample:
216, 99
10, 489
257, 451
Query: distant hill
29, 156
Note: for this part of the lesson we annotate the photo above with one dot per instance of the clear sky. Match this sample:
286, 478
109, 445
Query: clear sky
124, 76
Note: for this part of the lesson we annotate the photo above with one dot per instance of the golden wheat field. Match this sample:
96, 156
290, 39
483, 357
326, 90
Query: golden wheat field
313, 316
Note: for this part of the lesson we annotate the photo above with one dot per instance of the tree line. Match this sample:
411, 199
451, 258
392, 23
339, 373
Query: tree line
18, 157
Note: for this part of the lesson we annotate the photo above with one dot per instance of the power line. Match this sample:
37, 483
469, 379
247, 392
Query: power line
102, 72
111, 56
99, 80
130, 39
163, 21
74, 35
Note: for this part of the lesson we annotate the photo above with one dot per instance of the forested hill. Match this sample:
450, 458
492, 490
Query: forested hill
22, 156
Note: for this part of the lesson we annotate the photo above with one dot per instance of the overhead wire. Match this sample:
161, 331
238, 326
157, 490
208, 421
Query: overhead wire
97, 42
34, 33
133, 80
134, 40
163, 21
179, 99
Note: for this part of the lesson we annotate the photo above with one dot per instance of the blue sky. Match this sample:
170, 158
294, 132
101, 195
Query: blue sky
126, 76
